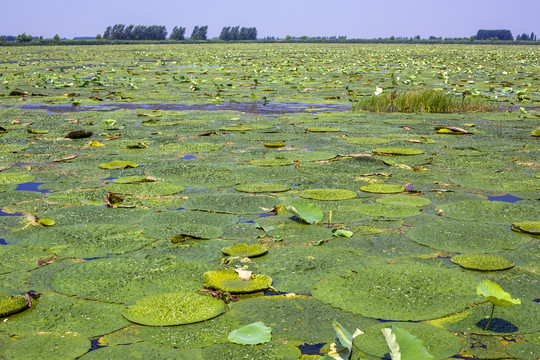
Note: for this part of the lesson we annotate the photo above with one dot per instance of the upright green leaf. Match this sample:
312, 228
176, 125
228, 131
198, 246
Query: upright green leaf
495, 294
405, 346
310, 213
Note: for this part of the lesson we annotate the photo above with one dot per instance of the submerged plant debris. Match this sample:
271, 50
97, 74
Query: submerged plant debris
148, 172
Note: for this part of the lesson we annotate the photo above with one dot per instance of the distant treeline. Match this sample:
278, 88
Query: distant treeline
121, 34
132, 32
229, 33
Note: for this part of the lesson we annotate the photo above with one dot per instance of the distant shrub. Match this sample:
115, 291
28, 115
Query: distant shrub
423, 100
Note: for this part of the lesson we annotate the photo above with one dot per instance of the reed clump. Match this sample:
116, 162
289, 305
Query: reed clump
422, 101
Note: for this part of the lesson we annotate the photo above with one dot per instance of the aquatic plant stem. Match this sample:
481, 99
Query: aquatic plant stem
490, 316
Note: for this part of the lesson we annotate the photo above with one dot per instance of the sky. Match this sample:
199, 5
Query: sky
278, 18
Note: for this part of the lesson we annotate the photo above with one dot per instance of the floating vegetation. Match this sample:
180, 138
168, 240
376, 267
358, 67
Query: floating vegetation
483, 262
236, 282
12, 304
174, 309
245, 250
222, 150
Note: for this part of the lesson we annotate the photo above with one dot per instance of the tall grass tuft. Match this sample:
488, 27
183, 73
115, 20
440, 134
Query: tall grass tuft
423, 100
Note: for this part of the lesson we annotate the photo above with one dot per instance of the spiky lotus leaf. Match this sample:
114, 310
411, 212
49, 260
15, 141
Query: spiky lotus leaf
484, 262
531, 227
11, 304
328, 194
245, 250
174, 309
397, 151
229, 280
257, 187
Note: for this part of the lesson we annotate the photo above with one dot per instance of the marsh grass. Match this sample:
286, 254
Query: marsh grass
423, 100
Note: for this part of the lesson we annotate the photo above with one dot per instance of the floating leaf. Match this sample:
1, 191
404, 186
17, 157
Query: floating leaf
483, 262
117, 164
174, 309
383, 188
79, 134
328, 194
48, 345
46, 221
397, 151
530, 227
12, 304
229, 280
245, 250
252, 334
342, 232
308, 212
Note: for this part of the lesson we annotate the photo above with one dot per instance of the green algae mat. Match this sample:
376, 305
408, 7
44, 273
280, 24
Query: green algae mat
155, 199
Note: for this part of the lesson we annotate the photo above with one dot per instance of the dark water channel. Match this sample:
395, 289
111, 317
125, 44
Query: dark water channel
265, 108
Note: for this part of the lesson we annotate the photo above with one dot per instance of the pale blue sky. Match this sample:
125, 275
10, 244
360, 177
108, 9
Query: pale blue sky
355, 19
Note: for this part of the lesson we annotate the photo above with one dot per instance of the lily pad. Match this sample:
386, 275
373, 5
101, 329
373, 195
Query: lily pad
524, 351
391, 210
245, 250
397, 151
142, 350
530, 227
123, 279
405, 199
54, 312
252, 334
257, 187
383, 188
466, 236
491, 212
483, 262
328, 194
231, 203
12, 304
495, 294
15, 178
18, 257
229, 280
272, 162
174, 309
118, 164
46, 345
371, 291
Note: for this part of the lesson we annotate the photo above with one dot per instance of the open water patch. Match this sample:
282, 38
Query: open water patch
505, 198
32, 186
259, 107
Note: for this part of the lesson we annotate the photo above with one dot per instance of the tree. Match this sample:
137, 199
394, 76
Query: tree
107, 33
178, 33
199, 33
505, 35
225, 33
2, 39
235, 33
98, 37
56, 37
533, 37
23, 38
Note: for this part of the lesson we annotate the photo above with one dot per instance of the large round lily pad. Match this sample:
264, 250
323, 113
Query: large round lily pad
328, 194
523, 350
392, 210
439, 342
405, 199
397, 151
231, 203
18, 257
229, 280
399, 292
272, 162
196, 335
484, 262
466, 236
255, 187
245, 250
174, 309
12, 304
530, 227
383, 188
158, 188
498, 181
308, 320
15, 178
45, 345
142, 350
122, 279
491, 212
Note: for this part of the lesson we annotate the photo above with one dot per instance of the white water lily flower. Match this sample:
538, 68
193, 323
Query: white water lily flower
378, 91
